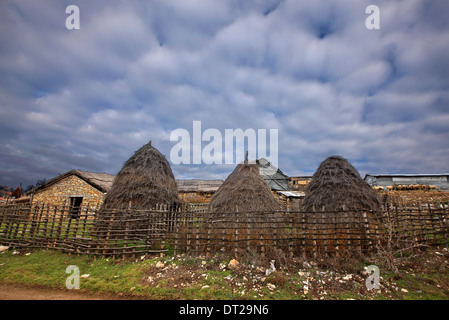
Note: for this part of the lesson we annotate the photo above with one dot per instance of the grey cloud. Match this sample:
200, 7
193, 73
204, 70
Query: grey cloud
135, 71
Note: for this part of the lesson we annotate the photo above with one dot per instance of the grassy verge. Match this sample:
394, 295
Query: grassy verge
420, 276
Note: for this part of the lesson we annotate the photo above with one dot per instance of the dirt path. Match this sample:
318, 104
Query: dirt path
17, 292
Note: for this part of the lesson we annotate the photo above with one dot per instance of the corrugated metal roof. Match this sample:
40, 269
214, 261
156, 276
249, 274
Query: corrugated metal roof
273, 176
440, 180
408, 175
292, 194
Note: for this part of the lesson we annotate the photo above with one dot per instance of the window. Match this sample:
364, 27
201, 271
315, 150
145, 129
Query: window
75, 206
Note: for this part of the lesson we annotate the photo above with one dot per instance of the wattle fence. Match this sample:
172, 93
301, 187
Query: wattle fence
192, 229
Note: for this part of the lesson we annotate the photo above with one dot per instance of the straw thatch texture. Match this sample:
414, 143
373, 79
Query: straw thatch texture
337, 186
243, 209
244, 191
145, 180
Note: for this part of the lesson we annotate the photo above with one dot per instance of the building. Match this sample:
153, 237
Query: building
75, 188
290, 200
273, 176
299, 183
5, 195
440, 181
197, 191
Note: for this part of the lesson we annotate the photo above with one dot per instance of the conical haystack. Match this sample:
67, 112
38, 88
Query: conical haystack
144, 181
244, 191
244, 212
341, 201
337, 186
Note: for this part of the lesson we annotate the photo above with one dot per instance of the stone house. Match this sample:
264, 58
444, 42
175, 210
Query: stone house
197, 191
76, 188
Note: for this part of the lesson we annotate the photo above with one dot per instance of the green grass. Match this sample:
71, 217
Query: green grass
46, 268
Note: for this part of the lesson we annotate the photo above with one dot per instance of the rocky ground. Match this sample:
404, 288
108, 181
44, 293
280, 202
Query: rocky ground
317, 280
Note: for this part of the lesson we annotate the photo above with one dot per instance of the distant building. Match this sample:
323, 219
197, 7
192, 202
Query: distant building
197, 191
441, 181
5, 195
273, 176
290, 200
75, 188
299, 183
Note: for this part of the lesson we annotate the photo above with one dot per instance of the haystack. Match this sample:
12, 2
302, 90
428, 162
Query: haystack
337, 186
244, 212
342, 203
144, 181
244, 191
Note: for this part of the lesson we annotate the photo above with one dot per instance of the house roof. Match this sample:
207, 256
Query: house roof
101, 181
300, 177
407, 175
292, 194
5, 193
272, 175
196, 185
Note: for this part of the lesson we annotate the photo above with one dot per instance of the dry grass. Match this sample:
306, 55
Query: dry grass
244, 191
337, 186
145, 180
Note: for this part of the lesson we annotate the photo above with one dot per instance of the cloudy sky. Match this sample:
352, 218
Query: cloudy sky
137, 70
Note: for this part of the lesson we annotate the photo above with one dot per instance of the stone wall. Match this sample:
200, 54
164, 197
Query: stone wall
195, 197
59, 193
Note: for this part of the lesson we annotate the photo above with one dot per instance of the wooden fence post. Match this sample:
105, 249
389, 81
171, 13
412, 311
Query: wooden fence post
26, 214
208, 240
236, 235
324, 231
290, 235
434, 230
223, 230
197, 234
176, 230
248, 235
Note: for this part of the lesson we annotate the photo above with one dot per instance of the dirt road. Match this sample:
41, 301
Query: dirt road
16, 292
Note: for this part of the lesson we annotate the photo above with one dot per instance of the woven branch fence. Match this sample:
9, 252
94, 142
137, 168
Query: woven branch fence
192, 229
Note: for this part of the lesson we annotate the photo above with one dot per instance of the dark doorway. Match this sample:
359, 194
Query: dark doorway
75, 206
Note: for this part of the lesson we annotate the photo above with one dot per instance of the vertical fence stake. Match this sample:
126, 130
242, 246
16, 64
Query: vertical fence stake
290, 236
434, 230
48, 227
236, 235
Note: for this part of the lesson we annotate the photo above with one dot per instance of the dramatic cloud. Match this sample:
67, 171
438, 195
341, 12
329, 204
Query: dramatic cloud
137, 70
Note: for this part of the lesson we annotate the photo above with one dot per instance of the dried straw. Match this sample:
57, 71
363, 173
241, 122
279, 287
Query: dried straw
145, 180
337, 186
244, 191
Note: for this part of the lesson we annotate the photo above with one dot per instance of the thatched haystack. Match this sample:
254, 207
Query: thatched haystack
337, 186
347, 207
244, 211
144, 181
244, 191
